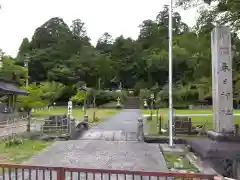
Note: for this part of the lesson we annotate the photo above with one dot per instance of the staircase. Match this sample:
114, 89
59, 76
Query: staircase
132, 103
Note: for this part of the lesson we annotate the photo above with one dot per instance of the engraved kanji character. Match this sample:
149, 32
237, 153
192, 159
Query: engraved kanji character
224, 67
225, 81
227, 112
227, 94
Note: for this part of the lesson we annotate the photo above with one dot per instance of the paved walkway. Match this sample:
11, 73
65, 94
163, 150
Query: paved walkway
109, 145
120, 127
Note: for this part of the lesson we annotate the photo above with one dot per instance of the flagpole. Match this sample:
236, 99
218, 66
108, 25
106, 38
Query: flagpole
170, 76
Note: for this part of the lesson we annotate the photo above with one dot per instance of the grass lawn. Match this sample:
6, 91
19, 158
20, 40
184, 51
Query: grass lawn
20, 153
172, 158
196, 120
183, 111
78, 113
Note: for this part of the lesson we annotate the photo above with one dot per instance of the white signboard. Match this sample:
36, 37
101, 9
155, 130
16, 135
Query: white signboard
70, 108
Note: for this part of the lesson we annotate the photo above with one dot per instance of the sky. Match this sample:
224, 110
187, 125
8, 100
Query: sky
20, 18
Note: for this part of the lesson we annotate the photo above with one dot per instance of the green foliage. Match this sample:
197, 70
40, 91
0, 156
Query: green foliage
23, 49
51, 91
40, 95
12, 141
79, 97
33, 100
101, 96
9, 69
145, 94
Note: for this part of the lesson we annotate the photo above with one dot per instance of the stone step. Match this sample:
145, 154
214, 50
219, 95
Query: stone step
110, 136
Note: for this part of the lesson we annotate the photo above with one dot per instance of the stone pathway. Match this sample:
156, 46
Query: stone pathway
109, 145
120, 127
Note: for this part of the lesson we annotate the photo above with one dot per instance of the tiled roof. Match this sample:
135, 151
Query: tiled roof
12, 88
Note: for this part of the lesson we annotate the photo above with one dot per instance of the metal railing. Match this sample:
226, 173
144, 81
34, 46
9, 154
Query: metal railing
27, 172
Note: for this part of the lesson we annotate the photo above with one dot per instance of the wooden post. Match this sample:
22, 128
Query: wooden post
94, 107
151, 109
160, 125
189, 125
29, 121
236, 126
60, 173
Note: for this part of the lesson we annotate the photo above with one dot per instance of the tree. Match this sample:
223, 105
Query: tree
104, 43
51, 91
78, 98
79, 32
23, 49
33, 100
10, 69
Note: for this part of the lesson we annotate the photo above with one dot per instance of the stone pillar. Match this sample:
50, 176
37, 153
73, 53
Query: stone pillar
85, 118
140, 133
222, 80
72, 128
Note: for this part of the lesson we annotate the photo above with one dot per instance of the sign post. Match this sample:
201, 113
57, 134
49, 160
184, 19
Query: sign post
70, 109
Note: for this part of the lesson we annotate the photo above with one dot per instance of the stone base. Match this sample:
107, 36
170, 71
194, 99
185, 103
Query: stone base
178, 148
207, 148
220, 154
162, 139
215, 136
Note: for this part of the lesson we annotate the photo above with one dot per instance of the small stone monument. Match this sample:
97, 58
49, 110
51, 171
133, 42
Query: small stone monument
140, 133
145, 104
54, 104
120, 86
69, 117
72, 128
85, 118
118, 102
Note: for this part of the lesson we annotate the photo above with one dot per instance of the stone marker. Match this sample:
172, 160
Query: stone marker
86, 118
140, 133
222, 80
72, 128
118, 102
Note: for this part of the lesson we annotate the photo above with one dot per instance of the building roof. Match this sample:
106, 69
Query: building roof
11, 87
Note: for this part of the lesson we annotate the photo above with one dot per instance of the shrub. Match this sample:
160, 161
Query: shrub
103, 97
78, 98
12, 141
181, 106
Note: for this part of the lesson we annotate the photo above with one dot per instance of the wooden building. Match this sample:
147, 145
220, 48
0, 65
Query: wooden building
9, 90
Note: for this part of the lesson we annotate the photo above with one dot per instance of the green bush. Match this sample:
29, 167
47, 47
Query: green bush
141, 85
103, 97
12, 141
181, 106
78, 98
